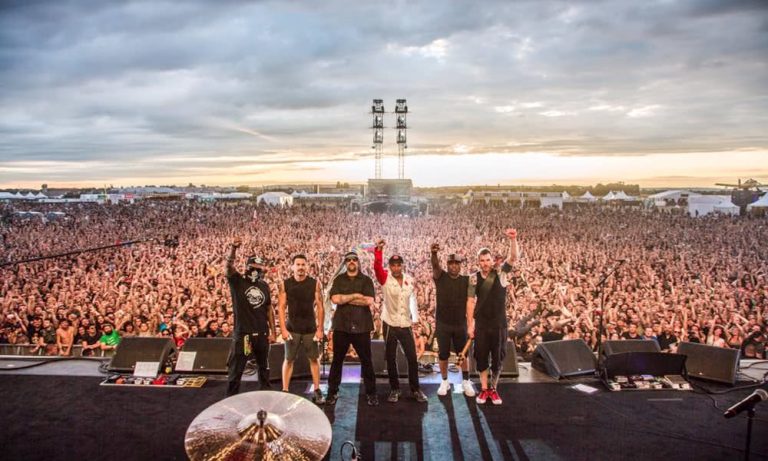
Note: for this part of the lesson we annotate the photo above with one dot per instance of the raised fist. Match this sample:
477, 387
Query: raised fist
511, 233
237, 242
380, 243
434, 248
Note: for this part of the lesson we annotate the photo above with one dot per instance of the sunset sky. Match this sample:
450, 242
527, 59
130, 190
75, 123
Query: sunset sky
661, 93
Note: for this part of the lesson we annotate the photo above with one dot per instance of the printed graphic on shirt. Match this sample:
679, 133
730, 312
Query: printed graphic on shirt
255, 297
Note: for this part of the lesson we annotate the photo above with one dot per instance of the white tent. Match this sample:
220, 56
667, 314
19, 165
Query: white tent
6, 196
762, 202
621, 195
673, 195
280, 199
706, 204
40, 195
727, 208
610, 196
588, 197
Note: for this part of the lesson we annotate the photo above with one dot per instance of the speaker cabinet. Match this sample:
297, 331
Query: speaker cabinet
380, 361
135, 349
710, 363
211, 354
561, 359
630, 345
508, 366
276, 357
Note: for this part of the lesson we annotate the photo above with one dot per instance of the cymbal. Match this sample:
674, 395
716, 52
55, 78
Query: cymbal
262, 425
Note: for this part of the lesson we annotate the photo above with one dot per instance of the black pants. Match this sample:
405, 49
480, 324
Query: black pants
362, 344
236, 365
493, 342
447, 336
404, 336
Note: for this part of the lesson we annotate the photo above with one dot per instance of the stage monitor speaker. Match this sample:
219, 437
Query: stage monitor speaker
630, 345
710, 363
211, 354
135, 349
508, 366
276, 357
380, 361
643, 363
562, 359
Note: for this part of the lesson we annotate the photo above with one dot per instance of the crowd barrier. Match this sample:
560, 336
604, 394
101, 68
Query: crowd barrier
28, 350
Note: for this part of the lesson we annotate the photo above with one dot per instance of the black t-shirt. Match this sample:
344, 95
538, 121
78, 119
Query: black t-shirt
548, 336
89, 340
451, 300
300, 300
349, 318
492, 313
628, 335
251, 299
666, 340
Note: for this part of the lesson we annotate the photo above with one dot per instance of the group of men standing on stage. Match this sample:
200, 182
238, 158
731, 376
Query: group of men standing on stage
468, 307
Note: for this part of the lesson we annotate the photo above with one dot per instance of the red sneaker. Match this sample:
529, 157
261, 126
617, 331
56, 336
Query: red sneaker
494, 396
484, 394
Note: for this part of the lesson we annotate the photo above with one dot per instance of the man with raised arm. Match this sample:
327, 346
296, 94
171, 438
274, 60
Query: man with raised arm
300, 325
398, 314
487, 315
451, 317
254, 320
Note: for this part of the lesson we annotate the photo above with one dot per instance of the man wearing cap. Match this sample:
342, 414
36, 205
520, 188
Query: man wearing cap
451, 317
487, 315
398, 314
353, 294
254, 320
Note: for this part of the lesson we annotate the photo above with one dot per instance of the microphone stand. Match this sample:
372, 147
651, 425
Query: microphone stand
601, 327
85, 250
750, 417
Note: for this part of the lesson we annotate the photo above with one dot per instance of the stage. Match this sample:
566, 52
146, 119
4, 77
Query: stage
59, 411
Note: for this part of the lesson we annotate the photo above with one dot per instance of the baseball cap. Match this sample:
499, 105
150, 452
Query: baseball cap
351, 254
255, 260
455, 258
395, 259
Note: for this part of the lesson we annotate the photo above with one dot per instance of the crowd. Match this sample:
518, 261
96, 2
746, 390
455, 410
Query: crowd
683, 279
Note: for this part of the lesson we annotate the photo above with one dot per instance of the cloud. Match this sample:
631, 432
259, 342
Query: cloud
126, 84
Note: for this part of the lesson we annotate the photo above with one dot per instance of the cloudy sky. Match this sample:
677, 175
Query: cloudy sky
227, 92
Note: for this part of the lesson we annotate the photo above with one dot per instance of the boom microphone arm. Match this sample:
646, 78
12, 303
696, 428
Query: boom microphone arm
169, 242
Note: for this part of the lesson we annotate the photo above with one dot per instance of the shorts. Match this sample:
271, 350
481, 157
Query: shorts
305, 341
490, 342
450, 335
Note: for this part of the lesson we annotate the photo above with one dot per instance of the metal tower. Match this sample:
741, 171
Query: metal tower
401, 111
377, 110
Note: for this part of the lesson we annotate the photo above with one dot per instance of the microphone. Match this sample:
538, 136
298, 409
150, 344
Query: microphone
747, 404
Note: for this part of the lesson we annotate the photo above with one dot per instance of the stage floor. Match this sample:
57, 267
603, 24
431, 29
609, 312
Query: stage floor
59, 411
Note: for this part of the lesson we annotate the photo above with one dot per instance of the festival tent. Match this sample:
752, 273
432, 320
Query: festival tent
610, 196
6, 196
727, 208
621, 195
706, 204
588, 197
280, 199
762, 202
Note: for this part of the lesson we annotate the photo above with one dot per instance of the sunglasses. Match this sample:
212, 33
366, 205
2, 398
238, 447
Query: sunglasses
346, 260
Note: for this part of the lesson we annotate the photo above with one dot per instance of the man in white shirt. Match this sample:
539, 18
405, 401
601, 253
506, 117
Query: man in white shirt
398, 314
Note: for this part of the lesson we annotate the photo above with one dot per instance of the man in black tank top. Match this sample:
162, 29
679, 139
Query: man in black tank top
300, 327
487, 315
450, 317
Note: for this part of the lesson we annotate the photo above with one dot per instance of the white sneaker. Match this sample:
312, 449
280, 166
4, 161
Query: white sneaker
469, 388
444, 389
